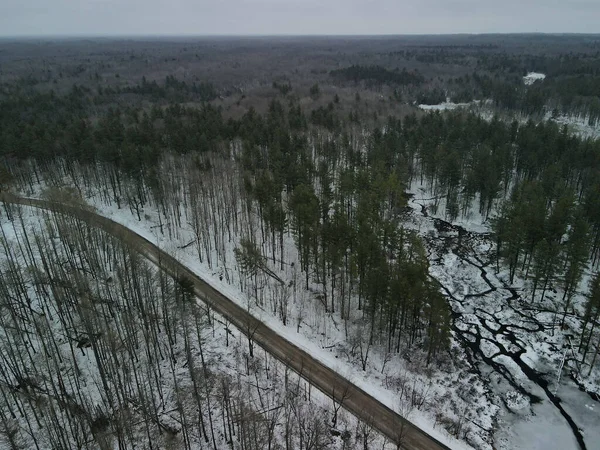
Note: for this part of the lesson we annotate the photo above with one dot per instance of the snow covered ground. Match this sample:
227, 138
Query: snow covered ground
501, 392
450, 106
514, 343
578, 125
491, 392
532, 77
323, 337
446, 106
224, 350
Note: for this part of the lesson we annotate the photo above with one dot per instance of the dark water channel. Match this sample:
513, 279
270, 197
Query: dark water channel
473, 332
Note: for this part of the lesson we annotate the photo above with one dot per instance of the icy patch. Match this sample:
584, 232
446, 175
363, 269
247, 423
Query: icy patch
541, 428
532, 77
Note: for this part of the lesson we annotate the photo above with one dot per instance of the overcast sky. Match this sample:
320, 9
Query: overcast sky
265, 17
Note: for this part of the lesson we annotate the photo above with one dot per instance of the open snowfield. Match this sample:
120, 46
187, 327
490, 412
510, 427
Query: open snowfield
451, 106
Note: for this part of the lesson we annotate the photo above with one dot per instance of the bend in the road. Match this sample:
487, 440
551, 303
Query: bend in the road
354, 399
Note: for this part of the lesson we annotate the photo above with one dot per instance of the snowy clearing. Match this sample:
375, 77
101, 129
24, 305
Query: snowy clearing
532, 77
446, 106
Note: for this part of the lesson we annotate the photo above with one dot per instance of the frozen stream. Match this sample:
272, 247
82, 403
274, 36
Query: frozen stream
510, 342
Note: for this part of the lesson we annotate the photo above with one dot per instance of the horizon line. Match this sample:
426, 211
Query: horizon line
286, 35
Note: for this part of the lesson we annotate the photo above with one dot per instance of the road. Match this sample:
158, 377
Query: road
354, 399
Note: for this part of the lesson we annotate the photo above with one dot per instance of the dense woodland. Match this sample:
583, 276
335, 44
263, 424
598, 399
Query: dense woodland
566, 94
344, 208
340, 192
378, 75
326, 178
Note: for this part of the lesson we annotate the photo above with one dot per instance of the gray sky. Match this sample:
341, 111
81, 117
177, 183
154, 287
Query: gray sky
201, 17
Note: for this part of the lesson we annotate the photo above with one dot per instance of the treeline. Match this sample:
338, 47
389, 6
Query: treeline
344, 205
571, 87
578, 95
346, 222
432, 97
47, 126
465, 159
172, 90
546, 236
462, 156
378, 75
568, 95
565, 64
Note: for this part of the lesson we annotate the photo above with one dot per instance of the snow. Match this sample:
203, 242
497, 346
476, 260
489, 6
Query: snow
225, 359
494, 315
542, 429
515, 400
583, 409
450, 106
425, 195
446, 106
322, 335
317, 344
532, 77
521, 424
579, 125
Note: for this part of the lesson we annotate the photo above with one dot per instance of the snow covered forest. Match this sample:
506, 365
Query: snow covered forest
447, 261
101, 350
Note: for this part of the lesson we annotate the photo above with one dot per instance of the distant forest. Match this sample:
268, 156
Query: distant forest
307, 172
378, 75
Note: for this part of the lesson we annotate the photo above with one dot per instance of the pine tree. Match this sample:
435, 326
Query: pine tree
590, 320
576, 257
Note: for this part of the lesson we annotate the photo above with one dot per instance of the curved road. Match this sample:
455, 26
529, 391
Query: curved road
354, 399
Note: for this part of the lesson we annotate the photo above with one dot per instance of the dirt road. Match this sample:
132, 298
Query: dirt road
354, 399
